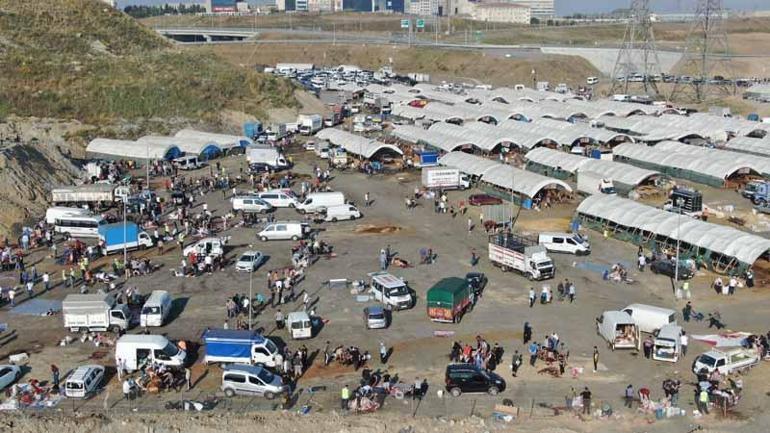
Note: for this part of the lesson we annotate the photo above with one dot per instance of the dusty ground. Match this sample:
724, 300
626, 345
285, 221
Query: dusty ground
417, 353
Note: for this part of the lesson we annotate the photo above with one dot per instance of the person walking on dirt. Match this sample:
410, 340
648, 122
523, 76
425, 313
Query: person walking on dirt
515, 363
532, 297
383, 352
586, 395
527, 334
532, 353
596, 358
366, 199
629, 397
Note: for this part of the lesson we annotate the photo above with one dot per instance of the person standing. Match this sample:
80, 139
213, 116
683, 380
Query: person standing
647, 346
383, 353
366, 199
596, 359
572, 292
642, 261
527, 334
703, 401
12, 296
731, 285
586, 396
629, 397
279, 319
46, 281
30, 288
683, 341
515, 363
470, 225
532, 353
749, 278
687, 311
531, 297
344, 397
55, 377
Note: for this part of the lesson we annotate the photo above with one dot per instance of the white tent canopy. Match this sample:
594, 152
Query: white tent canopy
521, 181
131, 149
356, 144
190, 145
745, 247
467, 163
623, 173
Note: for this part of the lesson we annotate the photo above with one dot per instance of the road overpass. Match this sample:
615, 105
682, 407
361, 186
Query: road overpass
194, 34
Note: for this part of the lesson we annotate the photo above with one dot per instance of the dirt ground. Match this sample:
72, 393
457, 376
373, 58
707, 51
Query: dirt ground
499, 316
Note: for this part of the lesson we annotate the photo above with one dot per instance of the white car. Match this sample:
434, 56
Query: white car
309, 145
9, 374
249, 261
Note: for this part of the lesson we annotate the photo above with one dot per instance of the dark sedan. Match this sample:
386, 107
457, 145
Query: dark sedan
483, 199
668, 268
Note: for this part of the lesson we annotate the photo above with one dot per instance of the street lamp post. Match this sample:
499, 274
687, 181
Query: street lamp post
251, 296
679, 203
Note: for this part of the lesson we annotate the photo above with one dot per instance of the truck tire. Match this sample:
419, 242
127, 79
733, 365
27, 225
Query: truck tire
291, 205
301, 211
455, 392
229, 392
334, 219
115, 329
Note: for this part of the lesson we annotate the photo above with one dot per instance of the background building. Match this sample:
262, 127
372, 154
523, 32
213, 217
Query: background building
540, 9
502, 13
424, 7
214, 6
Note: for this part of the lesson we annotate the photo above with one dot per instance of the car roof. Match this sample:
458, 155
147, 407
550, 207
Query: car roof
645, 307
374, 309
462, 366
619, 317
387, 280
251, 253
297, 316
157, 340
80, 372
243, 368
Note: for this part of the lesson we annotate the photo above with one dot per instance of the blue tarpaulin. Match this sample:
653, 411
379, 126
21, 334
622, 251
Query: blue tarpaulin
37, 307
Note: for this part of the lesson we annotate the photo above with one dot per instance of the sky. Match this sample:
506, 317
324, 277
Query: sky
568, 7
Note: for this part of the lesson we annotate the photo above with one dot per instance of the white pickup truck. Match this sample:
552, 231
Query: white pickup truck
726, 362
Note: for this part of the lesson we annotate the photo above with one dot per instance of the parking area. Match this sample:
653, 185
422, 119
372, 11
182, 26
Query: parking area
420, 348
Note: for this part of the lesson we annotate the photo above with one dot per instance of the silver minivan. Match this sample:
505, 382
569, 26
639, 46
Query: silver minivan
84, 381
281, 231
241, 379
250, 203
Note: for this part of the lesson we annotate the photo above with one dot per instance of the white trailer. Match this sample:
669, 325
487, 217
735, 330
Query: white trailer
518, 254
94, 313
267, 155
444, 178
90, 193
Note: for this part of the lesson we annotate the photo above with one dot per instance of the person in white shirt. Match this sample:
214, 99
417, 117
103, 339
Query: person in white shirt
683, 340
642, 262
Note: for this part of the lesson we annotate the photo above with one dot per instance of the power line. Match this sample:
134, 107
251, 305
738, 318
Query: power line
638, 54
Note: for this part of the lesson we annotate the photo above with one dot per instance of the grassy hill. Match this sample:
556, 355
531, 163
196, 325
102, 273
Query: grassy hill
79, 59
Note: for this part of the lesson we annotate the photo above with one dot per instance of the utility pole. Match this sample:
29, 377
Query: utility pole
706, 57
638, 54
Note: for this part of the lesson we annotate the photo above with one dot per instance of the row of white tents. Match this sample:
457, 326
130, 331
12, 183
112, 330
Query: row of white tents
204, 145
521, 182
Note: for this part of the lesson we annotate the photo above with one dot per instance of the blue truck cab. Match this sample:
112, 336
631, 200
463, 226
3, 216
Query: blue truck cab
233, 346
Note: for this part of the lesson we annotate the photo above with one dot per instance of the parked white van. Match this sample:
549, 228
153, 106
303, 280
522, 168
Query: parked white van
279, 198
84, 381
190, 162
79, 226
299, 325
249, 203
56, 212
667, 345
571, 243
318, 201
342, 212
138, 350
619, 330
650, 318
156, 309
281, 231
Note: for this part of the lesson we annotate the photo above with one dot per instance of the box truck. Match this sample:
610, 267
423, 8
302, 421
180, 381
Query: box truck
309, 124
85, 313
444, 178
119, 236
449, 299
239, 347
516, 253
267, 155
90, 193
